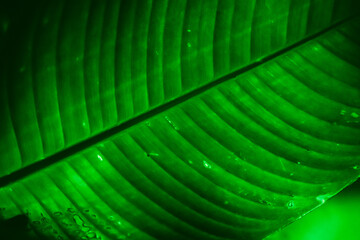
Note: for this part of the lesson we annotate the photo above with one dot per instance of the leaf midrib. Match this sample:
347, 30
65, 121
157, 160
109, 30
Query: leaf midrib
78, 147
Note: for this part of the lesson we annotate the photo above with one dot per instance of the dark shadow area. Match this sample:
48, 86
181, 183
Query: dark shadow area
18, 228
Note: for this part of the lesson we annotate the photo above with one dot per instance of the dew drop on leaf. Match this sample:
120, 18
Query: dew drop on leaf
206, 164
78, 220
354, 115
85, 229
152, 154
91, 235
290, 204
71, 210
171, 123
58, 214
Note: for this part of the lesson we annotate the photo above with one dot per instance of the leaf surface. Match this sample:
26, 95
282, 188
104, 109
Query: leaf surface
175, 119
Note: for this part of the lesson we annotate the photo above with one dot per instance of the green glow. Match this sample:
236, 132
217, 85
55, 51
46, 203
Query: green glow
176, 119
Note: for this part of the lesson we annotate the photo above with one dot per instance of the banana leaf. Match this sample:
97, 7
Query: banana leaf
174, 119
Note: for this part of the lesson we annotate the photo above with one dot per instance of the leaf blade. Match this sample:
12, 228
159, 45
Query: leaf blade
174, 205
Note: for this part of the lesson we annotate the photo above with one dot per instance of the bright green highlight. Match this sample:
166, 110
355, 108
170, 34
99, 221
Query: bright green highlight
237, 161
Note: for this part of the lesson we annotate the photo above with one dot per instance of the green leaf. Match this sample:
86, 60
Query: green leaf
176, 119
336, 220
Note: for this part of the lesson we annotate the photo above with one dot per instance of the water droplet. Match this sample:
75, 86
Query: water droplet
189, 30
190, 162
206, 164
188, 45
342, 112
58, 214
226, 202
354, 115
262, 201
66, 224
299, 163
291, 174
85, 229
91, 235
84, 124
78, 220
71, 210
99, 157
290, 204
152, 154
119, 223
357, 167
171, 123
